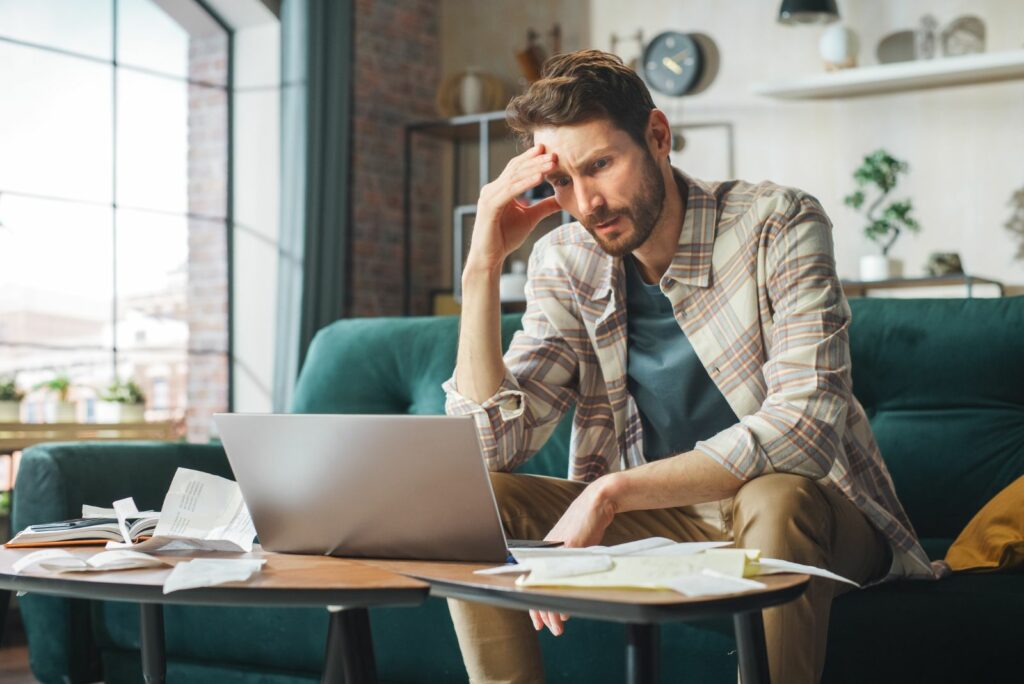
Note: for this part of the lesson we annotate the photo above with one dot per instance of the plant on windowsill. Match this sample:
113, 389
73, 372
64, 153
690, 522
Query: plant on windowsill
126, 402
10, 401
64, 410
1016, 223
880, 171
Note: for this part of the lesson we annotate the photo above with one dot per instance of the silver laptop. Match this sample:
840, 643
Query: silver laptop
372, 486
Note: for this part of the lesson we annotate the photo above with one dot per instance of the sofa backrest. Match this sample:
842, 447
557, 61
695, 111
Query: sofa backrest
396, 366
942, 382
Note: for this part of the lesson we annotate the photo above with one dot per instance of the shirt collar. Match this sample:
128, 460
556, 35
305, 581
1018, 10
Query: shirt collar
691, 264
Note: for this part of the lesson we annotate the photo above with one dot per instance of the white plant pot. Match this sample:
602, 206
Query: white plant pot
133, 413
878, 267
117, 412
61, 412
10, 411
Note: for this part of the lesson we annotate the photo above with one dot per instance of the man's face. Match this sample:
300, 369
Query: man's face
607, 181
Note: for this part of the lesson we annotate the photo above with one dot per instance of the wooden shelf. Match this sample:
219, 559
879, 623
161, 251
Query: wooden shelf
901, 77
860, 288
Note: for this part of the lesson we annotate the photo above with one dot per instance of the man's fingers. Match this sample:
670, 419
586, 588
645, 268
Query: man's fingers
538, 624
553, 622
564, 616
541, 210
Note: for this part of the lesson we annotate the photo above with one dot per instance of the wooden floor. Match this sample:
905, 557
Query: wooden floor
14, 654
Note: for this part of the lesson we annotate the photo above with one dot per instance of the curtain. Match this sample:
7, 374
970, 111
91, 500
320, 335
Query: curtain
316, 125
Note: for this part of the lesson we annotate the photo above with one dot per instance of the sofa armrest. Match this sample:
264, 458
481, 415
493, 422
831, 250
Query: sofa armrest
55, 479
53, 482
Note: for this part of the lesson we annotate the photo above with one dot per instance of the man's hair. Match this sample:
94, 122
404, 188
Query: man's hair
579, 87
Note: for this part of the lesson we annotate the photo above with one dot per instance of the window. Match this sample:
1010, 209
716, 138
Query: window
113, 203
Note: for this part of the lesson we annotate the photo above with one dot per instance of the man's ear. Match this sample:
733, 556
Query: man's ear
659, 134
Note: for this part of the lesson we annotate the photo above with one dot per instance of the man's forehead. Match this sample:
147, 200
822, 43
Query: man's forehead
576, 142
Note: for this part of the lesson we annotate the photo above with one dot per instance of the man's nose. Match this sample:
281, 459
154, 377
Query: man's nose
587, 198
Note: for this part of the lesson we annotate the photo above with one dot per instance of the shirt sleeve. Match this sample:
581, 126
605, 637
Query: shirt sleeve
799, 426
541, 376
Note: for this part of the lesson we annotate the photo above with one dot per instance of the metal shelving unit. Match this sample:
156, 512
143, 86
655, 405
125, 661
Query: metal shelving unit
479, 129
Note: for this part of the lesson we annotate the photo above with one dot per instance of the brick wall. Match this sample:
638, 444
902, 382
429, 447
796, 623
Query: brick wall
207, 308
397, 71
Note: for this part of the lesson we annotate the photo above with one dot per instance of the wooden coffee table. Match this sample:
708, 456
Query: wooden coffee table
641, 610
286, 580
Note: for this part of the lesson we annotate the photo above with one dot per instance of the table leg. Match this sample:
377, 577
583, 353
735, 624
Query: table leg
641, 653
151, 634
753, 653
349, 656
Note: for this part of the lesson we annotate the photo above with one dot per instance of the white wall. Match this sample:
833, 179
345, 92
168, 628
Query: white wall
965, 145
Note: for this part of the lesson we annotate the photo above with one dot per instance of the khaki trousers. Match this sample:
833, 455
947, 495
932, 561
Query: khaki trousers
785, 516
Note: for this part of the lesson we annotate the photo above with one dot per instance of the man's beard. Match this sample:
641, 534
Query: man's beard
643, 212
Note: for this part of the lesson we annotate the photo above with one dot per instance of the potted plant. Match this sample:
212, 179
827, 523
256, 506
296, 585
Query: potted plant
63, 411
127, 402
881, 171
10, 401
1016, 223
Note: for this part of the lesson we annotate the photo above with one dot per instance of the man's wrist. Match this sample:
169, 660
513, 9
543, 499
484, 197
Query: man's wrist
481, 270
609, 492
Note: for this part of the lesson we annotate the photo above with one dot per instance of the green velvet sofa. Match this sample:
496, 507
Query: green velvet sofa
943, 383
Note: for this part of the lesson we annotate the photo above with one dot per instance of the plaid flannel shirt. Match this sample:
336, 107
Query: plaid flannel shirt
754, 287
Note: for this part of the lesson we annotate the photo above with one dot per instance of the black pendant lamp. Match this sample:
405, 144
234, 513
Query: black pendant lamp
808, 12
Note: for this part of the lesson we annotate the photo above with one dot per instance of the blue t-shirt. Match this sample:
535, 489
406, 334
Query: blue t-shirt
679, 403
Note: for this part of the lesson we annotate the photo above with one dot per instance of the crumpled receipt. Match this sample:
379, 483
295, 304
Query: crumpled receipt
208, 572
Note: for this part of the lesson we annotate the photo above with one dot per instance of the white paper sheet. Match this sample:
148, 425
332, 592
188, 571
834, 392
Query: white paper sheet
200, 512
59, 560
711, 583
123, 508
651, 546
208, 572
772, 566
89, 511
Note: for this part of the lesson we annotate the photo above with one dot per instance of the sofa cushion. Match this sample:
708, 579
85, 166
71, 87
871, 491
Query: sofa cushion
942, 382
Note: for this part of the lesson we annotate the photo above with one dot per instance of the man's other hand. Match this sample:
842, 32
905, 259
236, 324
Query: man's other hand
583, 524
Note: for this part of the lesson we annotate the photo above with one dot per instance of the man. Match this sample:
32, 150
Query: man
700, 331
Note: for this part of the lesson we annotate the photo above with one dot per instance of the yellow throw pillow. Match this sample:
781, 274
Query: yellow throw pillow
994, 539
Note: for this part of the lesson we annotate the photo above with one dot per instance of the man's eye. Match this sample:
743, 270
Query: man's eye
561, 182
600, 163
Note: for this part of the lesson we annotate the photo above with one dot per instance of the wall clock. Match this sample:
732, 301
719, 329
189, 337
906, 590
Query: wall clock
673, 63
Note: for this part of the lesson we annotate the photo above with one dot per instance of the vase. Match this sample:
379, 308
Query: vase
471, 93
512, 286
10, 411
879, 267
839, 47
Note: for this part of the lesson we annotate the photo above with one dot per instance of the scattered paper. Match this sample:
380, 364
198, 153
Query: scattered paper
200, 512
59, 560
686, 548
208, 572
100, 512
711, 583
772, 566
547, 569
510, 569
640, 572
122, 509
652, 546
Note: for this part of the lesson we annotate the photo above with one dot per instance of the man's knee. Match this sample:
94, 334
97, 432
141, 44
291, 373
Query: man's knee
777, 511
